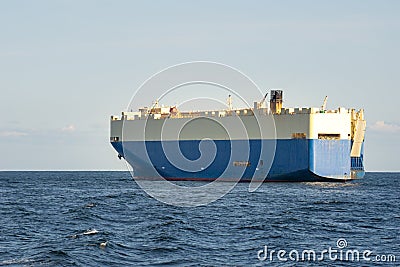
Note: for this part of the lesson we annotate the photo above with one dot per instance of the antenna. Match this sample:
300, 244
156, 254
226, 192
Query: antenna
323, 107
229, 102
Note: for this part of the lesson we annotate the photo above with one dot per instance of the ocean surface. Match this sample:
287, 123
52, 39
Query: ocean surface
106, 219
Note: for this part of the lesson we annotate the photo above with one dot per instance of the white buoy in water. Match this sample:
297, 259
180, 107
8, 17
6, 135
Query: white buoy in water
103, 244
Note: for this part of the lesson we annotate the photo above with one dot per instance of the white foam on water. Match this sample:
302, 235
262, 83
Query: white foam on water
91, 232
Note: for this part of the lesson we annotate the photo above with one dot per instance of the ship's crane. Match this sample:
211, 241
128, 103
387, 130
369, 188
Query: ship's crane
260, 104
263, 100
323, 107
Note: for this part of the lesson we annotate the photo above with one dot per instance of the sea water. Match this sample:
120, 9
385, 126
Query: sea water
106, 219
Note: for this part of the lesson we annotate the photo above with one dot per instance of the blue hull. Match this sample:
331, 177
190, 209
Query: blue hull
295, 160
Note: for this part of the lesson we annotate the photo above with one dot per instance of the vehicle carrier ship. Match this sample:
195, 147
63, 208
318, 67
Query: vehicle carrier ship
309, 144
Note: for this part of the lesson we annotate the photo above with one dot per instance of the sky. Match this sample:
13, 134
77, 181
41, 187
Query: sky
67, 66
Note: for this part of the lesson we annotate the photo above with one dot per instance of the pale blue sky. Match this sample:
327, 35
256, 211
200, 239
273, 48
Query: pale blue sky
66, 66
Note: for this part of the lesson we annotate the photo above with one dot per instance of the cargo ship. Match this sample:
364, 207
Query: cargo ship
310, 144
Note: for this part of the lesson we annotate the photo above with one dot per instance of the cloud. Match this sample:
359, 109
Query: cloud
69, 128
381, 126
12, 133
